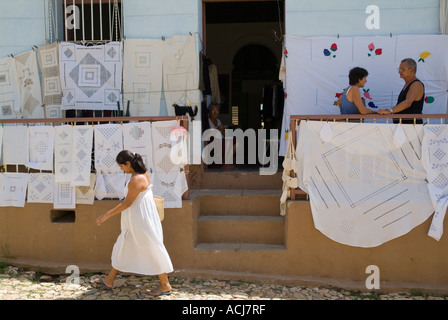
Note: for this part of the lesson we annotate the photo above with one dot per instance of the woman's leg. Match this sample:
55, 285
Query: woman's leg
110, 278
164, 286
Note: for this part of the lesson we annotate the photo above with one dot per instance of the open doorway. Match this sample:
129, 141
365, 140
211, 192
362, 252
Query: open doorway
243, 41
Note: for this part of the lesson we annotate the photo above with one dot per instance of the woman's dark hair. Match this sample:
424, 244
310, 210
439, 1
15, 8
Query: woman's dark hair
134, 159
356, 74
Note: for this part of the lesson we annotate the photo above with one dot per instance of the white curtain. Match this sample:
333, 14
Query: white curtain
444, 16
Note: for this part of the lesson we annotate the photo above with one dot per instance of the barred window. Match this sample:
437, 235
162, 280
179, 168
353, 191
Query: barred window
85, 22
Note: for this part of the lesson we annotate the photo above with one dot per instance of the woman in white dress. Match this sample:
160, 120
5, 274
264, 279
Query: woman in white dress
139, 248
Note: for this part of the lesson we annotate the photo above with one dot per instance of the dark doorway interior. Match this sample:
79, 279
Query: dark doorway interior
244, 40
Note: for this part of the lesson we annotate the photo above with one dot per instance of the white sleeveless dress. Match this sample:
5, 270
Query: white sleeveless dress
139, 247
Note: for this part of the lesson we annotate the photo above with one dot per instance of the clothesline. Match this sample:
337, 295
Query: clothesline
100, 77
62, 156
182, 119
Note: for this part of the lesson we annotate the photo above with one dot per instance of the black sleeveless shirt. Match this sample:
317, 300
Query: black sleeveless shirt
416, 106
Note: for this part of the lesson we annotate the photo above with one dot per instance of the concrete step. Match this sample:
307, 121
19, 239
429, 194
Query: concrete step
239, 202
237, 179
239, 247
241, 229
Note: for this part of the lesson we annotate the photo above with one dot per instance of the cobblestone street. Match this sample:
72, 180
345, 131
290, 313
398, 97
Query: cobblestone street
18, 284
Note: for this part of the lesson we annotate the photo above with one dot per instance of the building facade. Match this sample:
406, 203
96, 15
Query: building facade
224, 29
244, 41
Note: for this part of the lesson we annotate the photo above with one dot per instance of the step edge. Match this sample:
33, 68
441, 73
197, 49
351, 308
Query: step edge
242, 218
220, 246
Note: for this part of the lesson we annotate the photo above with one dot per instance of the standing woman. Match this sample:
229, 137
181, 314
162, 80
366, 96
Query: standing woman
351, 101
139, 248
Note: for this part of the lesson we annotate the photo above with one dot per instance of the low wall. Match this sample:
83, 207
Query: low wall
28, 238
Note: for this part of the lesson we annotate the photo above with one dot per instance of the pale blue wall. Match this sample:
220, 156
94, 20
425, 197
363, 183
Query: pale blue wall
156, 18
22, 25
314, 18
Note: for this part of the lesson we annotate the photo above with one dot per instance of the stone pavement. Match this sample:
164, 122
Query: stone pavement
19, 284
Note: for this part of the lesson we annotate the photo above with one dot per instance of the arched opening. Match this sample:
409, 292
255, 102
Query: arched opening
255, 73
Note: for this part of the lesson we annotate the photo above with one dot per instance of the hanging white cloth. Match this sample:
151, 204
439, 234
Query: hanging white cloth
29, 84
434, 159
444, 16
317, 70
91, 77
179, 150
108, 143
290, 165
1, 143
40, 188
169, 180
81, 155
142, 76
9, 89
86, 194
48, 57
63, 150
13, 189
110, 185
41, 144
137, 138
16, 145
399, 136
180, 72
364, 191
64, 196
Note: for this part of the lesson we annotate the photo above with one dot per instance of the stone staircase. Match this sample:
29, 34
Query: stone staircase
239, 211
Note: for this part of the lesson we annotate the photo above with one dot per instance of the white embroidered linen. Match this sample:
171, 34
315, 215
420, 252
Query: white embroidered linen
16, 145
110, 185
1, 143
63, 149
9, 89
435, 161
40, 188
13, 189
41, 142
108, 143
137, 138
90, 76
64, 196
29, 85
81, 155
290, 165
317, 70
86, 194
180, 72
142, 76
179, 146
48, 57
169, 180
363, 189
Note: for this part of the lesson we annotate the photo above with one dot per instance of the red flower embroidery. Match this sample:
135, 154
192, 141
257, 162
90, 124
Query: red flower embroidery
379, 52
